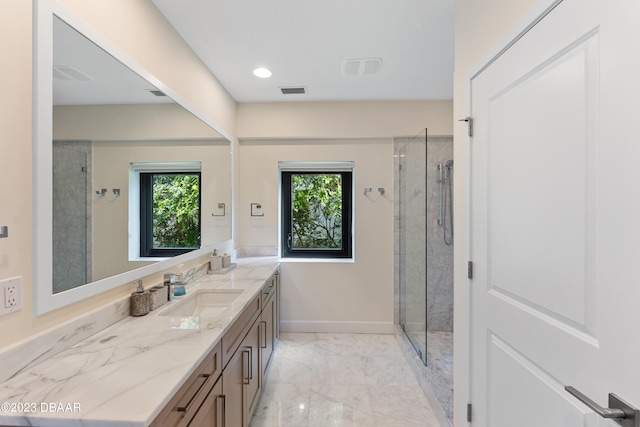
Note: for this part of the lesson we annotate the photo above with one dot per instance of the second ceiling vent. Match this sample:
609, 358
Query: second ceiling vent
293, 90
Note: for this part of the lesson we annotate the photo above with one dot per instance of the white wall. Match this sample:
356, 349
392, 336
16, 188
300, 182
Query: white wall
117, 122
15, 144
339, 296
381, 119
331, 296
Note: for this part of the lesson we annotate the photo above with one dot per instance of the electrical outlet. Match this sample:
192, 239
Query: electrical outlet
10, 295
11, 290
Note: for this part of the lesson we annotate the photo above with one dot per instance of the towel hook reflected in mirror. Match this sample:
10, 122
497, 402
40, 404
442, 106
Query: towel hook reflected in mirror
223, 207
256, 209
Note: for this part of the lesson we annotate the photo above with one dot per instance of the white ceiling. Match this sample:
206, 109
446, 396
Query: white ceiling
305, 42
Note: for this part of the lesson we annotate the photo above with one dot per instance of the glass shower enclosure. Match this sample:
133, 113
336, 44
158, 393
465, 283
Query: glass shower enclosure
425, 249
412, 241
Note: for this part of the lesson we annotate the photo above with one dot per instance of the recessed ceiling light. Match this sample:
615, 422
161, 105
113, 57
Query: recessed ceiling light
263, 73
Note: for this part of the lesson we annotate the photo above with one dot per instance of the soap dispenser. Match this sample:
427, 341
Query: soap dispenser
226, 261
215, 263
140, 300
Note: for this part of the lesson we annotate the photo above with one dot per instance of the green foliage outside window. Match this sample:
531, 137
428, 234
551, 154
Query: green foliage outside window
176, 211
316, 204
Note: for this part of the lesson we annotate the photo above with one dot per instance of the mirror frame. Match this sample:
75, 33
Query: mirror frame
44, 300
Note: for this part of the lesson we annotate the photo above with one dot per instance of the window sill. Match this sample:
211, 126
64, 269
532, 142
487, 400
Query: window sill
320, 260
140, 259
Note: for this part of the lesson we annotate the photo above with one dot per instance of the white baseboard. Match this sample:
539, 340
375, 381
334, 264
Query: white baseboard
338, 327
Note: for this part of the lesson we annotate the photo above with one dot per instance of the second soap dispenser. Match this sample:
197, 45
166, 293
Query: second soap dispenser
140, 300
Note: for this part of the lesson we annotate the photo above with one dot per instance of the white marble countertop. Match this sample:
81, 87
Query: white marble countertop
125, 374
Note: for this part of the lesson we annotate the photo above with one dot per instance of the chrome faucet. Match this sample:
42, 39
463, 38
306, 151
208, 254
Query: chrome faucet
170, 279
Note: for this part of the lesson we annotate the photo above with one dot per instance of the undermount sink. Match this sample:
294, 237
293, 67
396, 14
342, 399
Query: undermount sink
204, 303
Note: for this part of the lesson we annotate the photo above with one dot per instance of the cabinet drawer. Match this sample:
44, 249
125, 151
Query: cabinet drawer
236, 333
185, 403
211, 412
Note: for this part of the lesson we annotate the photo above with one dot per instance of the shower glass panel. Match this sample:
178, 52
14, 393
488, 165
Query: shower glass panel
412, 241
425, 249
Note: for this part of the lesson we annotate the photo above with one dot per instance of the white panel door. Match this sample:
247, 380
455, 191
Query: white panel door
555, 219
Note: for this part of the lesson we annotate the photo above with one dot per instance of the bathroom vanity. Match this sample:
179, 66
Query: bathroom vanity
224, 389
198, 361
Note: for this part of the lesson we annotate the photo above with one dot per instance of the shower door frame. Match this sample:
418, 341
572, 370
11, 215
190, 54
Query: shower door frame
420, 350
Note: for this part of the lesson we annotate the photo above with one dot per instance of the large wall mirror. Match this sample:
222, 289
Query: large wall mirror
98, 128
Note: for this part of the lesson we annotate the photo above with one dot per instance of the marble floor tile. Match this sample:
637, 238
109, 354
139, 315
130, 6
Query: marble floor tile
388, 371
285, 405
440, 352
404, 406
341, 380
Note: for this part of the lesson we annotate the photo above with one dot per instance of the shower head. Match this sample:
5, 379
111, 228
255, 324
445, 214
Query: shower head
449, 164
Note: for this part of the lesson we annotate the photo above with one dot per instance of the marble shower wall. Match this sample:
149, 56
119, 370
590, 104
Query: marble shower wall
412, 187
71, 214
439, 254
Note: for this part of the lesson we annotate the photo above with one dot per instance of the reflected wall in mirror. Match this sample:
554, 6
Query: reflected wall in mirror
105, 118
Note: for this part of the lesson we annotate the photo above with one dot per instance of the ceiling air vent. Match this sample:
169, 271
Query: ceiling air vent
64, 72
361, 66
157, 92
293, 90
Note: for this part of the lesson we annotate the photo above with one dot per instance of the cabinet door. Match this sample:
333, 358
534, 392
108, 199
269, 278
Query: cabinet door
252, 389
232, 339
268, 338
211, 412
233, 388
240, 380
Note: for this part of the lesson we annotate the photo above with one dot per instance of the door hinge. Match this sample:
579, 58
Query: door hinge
469, 121
468, 412
470, 269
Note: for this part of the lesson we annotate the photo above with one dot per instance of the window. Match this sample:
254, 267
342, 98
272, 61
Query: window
316, 210
169, 212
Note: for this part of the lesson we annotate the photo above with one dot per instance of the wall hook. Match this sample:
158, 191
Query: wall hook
116, 191
4, 232
381, 191
367, 190
101, 192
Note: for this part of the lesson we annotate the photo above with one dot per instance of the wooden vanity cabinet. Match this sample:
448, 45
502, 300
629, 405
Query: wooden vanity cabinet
225, 388
193, 396
211, 412
243, 376
241, 380
269, 324
233, 337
